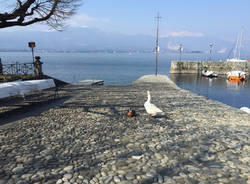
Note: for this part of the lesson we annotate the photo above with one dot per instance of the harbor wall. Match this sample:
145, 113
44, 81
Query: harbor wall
195, 67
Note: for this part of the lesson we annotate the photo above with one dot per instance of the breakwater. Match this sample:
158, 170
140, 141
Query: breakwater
195, 67
89, 139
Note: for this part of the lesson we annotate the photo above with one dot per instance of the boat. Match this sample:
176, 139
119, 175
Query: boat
236, 84
237, 75
236, 60
208, 73
236, 57
245, 109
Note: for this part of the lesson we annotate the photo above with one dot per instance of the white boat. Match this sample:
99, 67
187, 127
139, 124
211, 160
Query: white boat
245, 109
236, 60
237, 75
208, 73
236, 57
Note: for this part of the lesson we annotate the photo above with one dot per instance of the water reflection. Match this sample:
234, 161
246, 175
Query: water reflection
236, 84
233, 93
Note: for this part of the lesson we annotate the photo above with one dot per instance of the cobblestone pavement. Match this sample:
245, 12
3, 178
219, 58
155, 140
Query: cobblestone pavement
89, 139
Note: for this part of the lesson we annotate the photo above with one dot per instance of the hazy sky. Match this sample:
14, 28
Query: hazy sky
221, 18
213, 18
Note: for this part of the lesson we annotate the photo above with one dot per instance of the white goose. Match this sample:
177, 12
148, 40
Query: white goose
151, 109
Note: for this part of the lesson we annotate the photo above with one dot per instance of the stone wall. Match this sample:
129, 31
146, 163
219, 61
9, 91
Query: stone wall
221, 68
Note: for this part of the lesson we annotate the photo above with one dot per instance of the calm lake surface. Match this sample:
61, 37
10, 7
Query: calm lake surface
123, 69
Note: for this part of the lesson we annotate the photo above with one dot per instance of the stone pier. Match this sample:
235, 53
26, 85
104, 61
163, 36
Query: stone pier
88, 139
195, 67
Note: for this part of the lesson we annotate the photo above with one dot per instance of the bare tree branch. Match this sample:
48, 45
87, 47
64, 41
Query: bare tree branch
27, 12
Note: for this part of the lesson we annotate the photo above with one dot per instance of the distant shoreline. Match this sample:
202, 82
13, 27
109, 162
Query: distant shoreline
111, 51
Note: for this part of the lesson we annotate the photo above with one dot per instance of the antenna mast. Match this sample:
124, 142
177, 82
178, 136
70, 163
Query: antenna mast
157, 44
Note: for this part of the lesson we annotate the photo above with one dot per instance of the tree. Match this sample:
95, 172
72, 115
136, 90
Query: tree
27, 12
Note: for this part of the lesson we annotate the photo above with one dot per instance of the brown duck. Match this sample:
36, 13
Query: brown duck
131, 113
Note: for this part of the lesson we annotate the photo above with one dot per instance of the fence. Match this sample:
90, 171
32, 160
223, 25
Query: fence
22, 68
18, 68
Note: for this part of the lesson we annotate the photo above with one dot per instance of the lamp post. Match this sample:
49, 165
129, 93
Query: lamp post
157, 49
211, 46
1, 67
32, 46
180, 49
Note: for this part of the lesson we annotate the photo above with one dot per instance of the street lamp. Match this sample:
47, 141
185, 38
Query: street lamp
157, 48
32, 46
180, 49
211, 46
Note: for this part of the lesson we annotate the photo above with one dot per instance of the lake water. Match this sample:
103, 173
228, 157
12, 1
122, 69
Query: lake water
123, 69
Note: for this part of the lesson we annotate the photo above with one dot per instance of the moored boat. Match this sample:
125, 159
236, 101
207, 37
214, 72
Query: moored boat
245, 109
237, 75
236, 60
208, 73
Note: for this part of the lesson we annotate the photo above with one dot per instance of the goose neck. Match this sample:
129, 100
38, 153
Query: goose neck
149, 97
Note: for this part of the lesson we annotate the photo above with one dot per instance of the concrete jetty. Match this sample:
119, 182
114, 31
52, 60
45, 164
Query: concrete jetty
195, 67
89, 139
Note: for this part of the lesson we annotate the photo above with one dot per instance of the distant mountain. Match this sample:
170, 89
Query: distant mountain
86, 39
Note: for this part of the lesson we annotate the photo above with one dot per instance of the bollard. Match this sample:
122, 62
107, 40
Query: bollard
38, 66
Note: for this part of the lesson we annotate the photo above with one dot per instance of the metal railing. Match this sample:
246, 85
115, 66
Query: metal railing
18, 68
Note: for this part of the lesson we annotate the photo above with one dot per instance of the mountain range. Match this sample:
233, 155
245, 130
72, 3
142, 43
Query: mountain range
89, 39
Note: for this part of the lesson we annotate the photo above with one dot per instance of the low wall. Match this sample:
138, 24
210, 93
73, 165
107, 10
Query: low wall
194, 67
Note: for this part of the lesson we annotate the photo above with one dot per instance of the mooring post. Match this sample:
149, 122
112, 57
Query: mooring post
38, 66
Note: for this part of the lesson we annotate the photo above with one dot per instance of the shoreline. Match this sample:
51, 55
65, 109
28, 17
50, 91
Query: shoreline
88, 139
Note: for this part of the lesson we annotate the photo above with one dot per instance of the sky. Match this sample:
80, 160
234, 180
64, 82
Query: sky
215, 18
221, 19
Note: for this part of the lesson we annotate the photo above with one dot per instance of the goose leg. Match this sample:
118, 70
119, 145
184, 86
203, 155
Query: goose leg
149, 116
